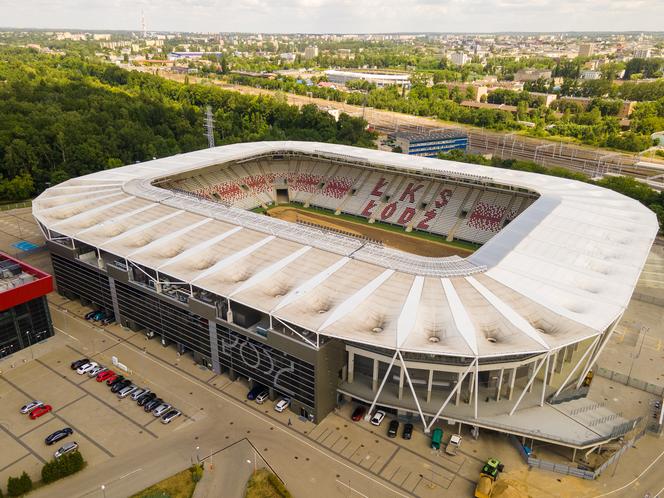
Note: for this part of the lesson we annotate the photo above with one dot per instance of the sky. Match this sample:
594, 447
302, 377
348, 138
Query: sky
337, 16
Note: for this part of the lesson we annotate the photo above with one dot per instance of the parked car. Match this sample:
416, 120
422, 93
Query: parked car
126, 391
88, 316
85, 368
146, 398
151, 405
407, 431
255, 391
120, 386
161, 409
112, 381
40, 410
108, 320
170, 415
58, 435
282, 404
393, 429
67, 448
75, 365
28, 407
378, 417
262, 396
139, 392
93, 372
98, 316
105, 375
359, 413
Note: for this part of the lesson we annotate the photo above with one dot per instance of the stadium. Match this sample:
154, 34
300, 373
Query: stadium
439, 291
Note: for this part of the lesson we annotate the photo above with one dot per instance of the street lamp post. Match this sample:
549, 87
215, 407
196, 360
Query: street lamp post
198, 457
27, 333
103, 490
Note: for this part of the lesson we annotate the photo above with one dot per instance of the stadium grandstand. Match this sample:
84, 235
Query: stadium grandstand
503, 336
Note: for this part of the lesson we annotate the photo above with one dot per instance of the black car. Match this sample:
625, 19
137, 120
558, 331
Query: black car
58, 435
120, 386
393, 429
75, 365
146, 398
407, 431
108, 320
89, 315
113, 381
255, 391
151, 405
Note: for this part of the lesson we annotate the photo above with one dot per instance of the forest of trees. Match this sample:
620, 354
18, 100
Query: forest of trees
65, 116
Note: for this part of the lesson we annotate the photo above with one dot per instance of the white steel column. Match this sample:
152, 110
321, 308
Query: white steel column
530, 383
546, 378
404, 370
427, 428
596, 354
429, 385
571, 373
401, 372
351, 366
477, 380
382, 384
458, 393
500, 383
374, 377
512, 379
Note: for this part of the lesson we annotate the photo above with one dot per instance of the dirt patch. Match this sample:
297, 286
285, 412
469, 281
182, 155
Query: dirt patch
401, 241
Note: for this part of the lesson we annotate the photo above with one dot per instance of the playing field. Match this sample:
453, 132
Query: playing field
398, 240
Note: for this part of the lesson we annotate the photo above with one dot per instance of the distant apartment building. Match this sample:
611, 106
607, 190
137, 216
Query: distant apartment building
288, 57
101, 36
586, 50
380, 80
591, 74
642, 53
310, 52
459, 58
531, 74
429, 145
345, 53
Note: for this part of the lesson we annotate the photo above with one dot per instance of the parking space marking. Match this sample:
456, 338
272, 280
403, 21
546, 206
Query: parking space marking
387, 462
70, 403
10, 434
100, 400
14, 462
58, 416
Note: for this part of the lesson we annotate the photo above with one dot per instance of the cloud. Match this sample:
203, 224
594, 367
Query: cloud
279, 16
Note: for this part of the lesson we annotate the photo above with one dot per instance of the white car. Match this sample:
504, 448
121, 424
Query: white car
27, 408
86, 367
378, 417
262, 396
282, 404
67, 448
93, 372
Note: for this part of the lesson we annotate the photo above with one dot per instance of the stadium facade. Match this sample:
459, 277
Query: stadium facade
502, 339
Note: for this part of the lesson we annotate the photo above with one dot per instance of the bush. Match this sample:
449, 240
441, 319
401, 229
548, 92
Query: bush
196, 472
278, 486
17, 486
64, 466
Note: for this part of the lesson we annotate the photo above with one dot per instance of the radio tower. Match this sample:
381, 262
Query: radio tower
144, 28
209, 126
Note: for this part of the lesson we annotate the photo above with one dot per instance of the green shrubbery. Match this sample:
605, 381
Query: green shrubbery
66, 465
17, 486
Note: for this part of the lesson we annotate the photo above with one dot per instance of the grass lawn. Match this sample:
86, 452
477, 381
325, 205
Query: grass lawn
264, 484
180, 485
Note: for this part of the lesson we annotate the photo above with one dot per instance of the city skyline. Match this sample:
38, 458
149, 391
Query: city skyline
344, 16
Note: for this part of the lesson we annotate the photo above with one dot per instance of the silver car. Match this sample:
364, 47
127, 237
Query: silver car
127, 391
67, 448
93, 372
161, 409
27, 408
170, 416
138, 393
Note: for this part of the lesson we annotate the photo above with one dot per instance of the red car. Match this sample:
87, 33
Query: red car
39, 411
359, 413
105, 375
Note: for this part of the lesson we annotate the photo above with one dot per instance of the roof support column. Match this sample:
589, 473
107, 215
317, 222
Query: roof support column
595, 355
429, 385
471, 387
401, 378
571, 373
427, 428
374, 377
500, 384
510, 391
351, 366
404, 370
546, 379
477, 385
382, 384
457, 398
530, 383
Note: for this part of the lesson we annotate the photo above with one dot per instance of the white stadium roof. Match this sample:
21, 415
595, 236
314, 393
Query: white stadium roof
561, 272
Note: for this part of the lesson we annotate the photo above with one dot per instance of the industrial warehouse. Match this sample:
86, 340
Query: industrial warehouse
502, 338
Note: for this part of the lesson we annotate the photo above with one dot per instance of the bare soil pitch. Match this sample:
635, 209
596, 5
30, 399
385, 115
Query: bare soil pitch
401, 241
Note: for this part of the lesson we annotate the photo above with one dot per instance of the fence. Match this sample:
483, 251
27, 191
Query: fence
16, 205
630, 381
574, 470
